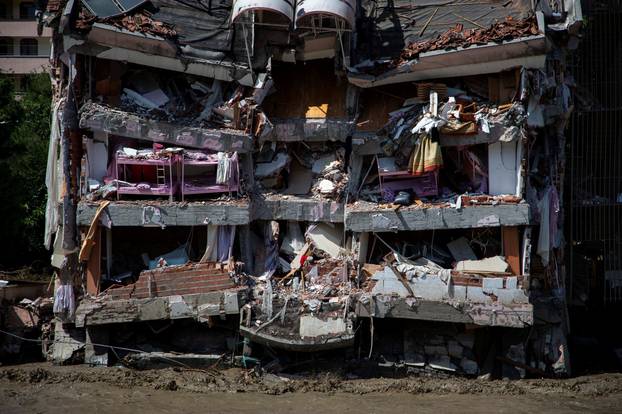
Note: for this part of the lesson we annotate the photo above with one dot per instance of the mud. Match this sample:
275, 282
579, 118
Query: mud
46, 388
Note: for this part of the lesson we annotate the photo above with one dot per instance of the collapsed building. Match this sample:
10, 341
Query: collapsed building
379, 177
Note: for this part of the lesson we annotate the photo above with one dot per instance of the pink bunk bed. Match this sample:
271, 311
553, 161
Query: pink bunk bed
203, 180
149, 176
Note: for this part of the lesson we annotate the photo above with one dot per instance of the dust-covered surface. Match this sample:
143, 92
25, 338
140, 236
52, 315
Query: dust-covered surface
46, 388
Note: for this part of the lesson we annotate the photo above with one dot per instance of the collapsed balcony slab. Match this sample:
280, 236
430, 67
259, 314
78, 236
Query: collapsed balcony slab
193, 290
367, 143
194, 306
504, 315
315, 130
98, 117
528, 52
346, 340
169, 213
368, 217
279, 207
108, 42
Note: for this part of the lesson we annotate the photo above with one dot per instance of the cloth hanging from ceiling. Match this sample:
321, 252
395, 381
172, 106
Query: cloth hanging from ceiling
426, 157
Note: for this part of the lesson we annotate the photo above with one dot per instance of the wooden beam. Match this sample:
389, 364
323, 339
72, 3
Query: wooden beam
511, 248
93, 265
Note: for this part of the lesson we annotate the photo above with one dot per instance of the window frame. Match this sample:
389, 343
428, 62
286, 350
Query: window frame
10, 49
22, 5
32, 44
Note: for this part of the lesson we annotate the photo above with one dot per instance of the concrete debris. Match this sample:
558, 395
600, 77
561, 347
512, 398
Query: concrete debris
326, 238
271, 169
461, 250
320, 173
495, 264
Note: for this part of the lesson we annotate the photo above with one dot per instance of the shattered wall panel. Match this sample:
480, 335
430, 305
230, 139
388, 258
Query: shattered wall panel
197, 24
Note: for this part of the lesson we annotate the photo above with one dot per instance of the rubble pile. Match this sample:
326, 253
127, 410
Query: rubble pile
331, 178
316, 170
26, 310
310, 279
439, 351
186, 101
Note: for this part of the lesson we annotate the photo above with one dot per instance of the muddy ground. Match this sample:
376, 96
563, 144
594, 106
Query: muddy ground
44, 388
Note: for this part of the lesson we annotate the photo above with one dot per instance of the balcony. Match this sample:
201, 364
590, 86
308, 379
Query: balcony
23, 64
21, 28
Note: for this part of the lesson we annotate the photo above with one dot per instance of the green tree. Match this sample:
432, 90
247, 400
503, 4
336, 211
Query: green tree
25, 126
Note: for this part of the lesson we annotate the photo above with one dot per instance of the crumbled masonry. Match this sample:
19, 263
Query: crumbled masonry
240, 181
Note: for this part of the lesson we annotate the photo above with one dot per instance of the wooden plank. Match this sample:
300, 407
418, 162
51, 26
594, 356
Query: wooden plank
93, 265
511, 248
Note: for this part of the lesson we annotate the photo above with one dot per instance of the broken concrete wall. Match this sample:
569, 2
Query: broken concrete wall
175, 280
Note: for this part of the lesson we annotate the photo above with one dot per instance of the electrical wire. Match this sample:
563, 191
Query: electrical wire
111, 347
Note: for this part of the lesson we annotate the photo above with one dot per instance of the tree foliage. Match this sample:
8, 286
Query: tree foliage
24, 137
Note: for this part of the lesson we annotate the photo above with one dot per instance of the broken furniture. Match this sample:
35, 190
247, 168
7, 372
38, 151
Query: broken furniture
392, 181
200, 175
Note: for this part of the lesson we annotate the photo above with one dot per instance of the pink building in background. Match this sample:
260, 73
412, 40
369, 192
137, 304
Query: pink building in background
22, 50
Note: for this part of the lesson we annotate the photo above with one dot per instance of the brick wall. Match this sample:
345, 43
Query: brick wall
176, 280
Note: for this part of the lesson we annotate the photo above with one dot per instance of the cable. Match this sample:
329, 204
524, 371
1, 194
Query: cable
112, 347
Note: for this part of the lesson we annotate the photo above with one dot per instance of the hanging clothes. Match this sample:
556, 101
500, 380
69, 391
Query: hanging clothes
226, 236
211, 248
426, 157
271, 243
53, 175
64, 300
548, 237
223, 170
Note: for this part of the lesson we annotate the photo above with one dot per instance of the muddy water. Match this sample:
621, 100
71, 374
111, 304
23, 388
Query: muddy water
42, 388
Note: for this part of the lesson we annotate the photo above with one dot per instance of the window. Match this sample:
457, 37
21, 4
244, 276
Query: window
4, 10
6, 46
28, 47
26, 11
